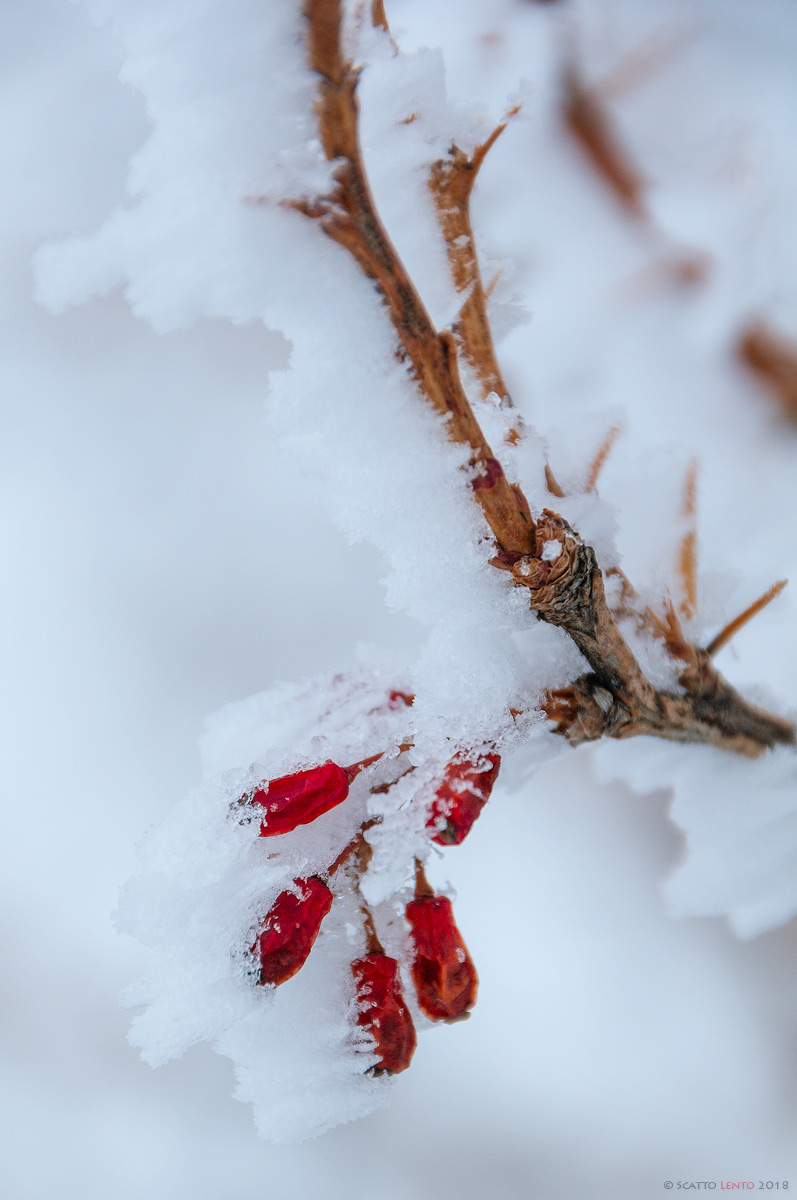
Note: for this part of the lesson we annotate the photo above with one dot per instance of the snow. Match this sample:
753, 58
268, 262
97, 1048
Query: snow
168, 554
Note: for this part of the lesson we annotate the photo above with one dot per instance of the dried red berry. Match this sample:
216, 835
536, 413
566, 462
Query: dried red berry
463, 793
445, 978
290, 929
299, 798
382, 1011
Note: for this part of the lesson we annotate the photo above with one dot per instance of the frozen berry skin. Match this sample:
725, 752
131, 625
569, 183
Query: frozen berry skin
443, 973
291, 927
298, 799
460, 797
383, 1013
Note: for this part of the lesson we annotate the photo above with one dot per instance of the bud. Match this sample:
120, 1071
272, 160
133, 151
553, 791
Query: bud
290, 929
445, 978
298, 799
465, 789
382, 1011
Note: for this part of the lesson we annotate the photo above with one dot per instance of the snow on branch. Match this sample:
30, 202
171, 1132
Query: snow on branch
286, 902
616, 699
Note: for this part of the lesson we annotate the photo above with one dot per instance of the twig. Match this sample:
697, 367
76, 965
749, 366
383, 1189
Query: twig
451, 183
349, 217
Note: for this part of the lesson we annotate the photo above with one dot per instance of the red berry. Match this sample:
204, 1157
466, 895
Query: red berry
299, 798
290, 929
445, 978
465, 789
382, 1011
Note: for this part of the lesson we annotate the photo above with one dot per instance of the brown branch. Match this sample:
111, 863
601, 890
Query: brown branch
451, 183
615, 699
353, 847
349, 217
559, 571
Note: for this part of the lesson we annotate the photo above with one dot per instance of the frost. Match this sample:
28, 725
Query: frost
206, 232
740, 822
208, 881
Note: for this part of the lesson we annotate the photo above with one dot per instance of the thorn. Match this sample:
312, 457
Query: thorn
589, 122
733, 627
491, 286
668, 628
674, 634
601, 456
687, 556
481, 152
379, 16
551, 484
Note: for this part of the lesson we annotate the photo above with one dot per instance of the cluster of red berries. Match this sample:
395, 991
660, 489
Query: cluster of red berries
443, 973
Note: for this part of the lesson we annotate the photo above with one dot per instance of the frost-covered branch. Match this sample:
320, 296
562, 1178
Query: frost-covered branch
349, 217
547, 557
285, 901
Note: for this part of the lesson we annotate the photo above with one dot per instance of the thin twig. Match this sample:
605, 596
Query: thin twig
451, 182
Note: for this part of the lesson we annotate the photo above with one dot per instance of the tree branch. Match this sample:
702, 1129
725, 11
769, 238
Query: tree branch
349, 217
548, 558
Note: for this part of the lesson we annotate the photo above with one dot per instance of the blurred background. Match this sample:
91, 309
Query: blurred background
151, 576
